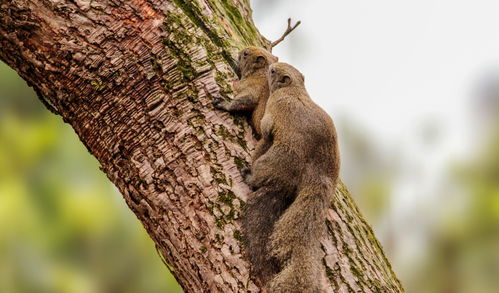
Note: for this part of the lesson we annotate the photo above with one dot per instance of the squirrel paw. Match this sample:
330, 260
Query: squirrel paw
245, 172
218, 103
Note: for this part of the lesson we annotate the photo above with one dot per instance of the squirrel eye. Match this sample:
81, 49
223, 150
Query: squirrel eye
246, 53
272, 71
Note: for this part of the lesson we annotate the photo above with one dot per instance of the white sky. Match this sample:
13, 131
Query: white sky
390, 64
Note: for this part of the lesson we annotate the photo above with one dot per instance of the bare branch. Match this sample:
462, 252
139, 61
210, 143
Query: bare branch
288, 30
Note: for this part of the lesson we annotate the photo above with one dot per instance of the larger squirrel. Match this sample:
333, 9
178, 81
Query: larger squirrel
294, 173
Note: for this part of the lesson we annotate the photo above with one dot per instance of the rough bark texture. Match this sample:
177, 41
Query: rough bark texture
135, 79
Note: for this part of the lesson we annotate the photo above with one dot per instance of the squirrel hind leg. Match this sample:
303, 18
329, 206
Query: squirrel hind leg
303, 223
295, 241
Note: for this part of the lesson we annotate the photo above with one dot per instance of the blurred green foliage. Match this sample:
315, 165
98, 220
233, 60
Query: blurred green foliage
465, 252
459, 219
63, 226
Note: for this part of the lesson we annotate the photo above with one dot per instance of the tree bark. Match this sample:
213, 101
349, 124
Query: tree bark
135, 79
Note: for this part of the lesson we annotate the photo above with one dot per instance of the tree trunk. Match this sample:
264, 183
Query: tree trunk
135, 79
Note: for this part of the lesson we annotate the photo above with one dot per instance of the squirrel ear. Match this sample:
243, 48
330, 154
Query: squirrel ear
285, 80
302, 77
261, 61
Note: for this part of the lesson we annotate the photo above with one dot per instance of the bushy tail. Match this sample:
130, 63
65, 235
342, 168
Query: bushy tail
295, 242
261, 212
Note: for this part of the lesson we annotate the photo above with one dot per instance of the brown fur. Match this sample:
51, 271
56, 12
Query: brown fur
252, 91
295, 169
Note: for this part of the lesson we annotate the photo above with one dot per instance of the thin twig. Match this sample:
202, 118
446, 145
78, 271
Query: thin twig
288, 30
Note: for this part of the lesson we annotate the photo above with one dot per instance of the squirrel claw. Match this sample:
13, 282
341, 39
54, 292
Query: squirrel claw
217, 103
245, 172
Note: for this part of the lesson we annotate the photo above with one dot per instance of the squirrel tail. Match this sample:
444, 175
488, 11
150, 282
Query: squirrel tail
261, 211
295, 242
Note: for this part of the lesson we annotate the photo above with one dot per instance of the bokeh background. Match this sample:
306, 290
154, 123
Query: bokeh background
413, 87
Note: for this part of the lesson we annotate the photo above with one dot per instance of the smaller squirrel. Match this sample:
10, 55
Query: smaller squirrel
294, 173
252, 91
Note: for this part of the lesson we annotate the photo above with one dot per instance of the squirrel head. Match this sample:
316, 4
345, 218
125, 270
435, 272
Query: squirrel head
253, 58
284, 75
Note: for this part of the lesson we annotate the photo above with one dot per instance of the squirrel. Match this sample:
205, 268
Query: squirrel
252, 91
294, 172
